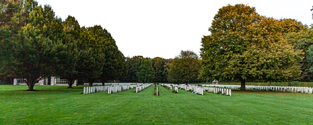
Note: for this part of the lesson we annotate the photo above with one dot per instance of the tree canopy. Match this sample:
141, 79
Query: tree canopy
69, 53
184, 68
36, 44
303, 40
31, 53
245, 46
158, 65
146, 72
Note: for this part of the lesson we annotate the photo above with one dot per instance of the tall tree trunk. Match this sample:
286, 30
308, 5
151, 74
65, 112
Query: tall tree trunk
70, 86
49, 80
243, 84
70, 83
30, 85
103, 82
91, 80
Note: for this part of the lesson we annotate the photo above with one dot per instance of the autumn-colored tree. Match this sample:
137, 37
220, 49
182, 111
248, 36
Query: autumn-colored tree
184, 68
291, 25
246, 46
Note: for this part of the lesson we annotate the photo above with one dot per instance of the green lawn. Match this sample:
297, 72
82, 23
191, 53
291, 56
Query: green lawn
59, 105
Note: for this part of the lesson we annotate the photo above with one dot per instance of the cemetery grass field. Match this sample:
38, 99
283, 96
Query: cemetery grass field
59, 105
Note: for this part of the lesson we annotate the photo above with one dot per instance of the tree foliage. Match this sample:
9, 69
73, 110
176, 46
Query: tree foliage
69, 53
92, 53
113, 66
13, 16
158, 65
133, 67
184, 68
246, 46
36, 44
166, 69
146, 72
31, 54
303, 40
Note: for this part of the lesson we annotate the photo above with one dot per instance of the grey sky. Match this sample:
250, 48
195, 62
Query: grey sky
161, 28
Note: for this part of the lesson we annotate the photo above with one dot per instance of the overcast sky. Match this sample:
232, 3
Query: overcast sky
162, 28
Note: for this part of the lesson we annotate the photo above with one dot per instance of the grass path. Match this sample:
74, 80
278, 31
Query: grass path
59, 105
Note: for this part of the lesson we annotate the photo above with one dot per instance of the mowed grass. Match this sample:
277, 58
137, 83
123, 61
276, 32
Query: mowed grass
59, 105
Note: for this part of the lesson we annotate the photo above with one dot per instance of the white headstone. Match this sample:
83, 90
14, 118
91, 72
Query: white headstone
109, 90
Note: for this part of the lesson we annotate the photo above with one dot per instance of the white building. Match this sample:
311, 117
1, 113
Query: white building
55, 81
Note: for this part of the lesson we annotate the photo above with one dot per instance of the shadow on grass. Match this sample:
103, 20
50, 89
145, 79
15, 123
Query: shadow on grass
20, 90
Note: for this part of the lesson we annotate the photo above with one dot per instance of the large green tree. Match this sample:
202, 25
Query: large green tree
112, 65
69, 53
32, 54
14, 14
121, 66
146, 71
35, 44
184, 68
92, 53
246, 46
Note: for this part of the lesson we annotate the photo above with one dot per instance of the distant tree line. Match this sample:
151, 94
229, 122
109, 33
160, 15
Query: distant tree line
184, 68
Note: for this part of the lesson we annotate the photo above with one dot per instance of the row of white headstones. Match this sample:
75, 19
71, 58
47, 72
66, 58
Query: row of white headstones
144, 86
114, 88
308, 90
223, 91
118, 88
198, 89
93, 89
